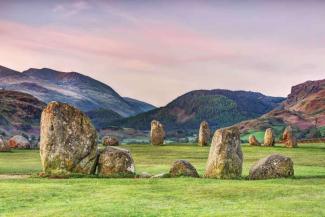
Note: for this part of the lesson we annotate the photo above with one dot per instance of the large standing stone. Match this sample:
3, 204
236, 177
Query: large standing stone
204, 134
183, 168
289, 139
273, 166
110, 141
157, 133
225, 158
3, 146
253, 141
269, 137
115, 162
19, 142
68, 140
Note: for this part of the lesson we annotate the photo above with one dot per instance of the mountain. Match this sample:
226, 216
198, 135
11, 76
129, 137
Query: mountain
19, 113
74, 88
219, 107
304, 110
102, 118
143, 106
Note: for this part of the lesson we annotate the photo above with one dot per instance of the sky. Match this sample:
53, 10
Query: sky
157, 50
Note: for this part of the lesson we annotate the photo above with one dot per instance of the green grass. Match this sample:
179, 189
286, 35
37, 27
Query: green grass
303, 195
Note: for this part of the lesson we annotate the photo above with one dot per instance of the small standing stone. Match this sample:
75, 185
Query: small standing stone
110, 141
273, 166
269, 138
114, 161
19, 142
204, 134
3, 146
157, 133
183, 168
225, 158
253, 141
289, 139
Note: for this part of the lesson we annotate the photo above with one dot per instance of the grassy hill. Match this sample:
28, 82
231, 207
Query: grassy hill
19, 113
219, 107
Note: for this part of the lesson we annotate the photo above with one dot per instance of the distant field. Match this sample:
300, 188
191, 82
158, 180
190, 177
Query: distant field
303, 195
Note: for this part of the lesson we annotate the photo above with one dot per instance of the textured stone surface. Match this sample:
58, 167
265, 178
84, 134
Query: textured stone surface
289, 139
204, 134
273, 166
183, 168
115, 162
269, 137
225, 158
68, 140
253, 141
19, 142
110, 141
157, 133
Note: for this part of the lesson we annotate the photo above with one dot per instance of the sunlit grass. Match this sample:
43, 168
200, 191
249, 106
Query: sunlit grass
303, 195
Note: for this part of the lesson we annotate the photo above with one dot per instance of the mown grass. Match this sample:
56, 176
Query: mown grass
303, 195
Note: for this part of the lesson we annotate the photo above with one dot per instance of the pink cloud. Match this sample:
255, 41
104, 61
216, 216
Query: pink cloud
154, 45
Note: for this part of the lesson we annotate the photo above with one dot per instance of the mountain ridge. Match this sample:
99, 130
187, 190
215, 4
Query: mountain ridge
74, 88
304, 110
219, 107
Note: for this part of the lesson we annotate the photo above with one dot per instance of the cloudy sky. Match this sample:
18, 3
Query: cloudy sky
157, 50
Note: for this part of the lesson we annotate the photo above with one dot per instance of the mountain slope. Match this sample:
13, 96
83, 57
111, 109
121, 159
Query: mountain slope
19, 113
304, 109
219, 107
79, 90
143, 106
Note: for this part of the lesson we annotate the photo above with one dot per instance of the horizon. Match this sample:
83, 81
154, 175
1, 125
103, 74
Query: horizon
258, 46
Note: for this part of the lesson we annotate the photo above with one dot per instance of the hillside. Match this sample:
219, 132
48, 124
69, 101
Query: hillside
304, 109
219, 107
19, 113
74, 88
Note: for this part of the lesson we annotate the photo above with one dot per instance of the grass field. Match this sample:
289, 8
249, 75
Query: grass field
303, 195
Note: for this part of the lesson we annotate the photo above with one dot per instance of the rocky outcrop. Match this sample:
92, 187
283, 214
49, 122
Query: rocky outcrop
115, 162
273, 166
253, 141
183, 168
289, 139
157, 133
225, 158
68, 140
269, 137
19, 142
3, 146
110, 141
204, 134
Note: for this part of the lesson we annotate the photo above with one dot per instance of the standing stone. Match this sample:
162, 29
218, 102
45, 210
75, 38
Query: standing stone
3, 146
225, 158
183, 168
204, 134
289, 139
269, 137
115, 162
110, 141
157, 133
253, 141
68, 140
273, 166
19, 142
